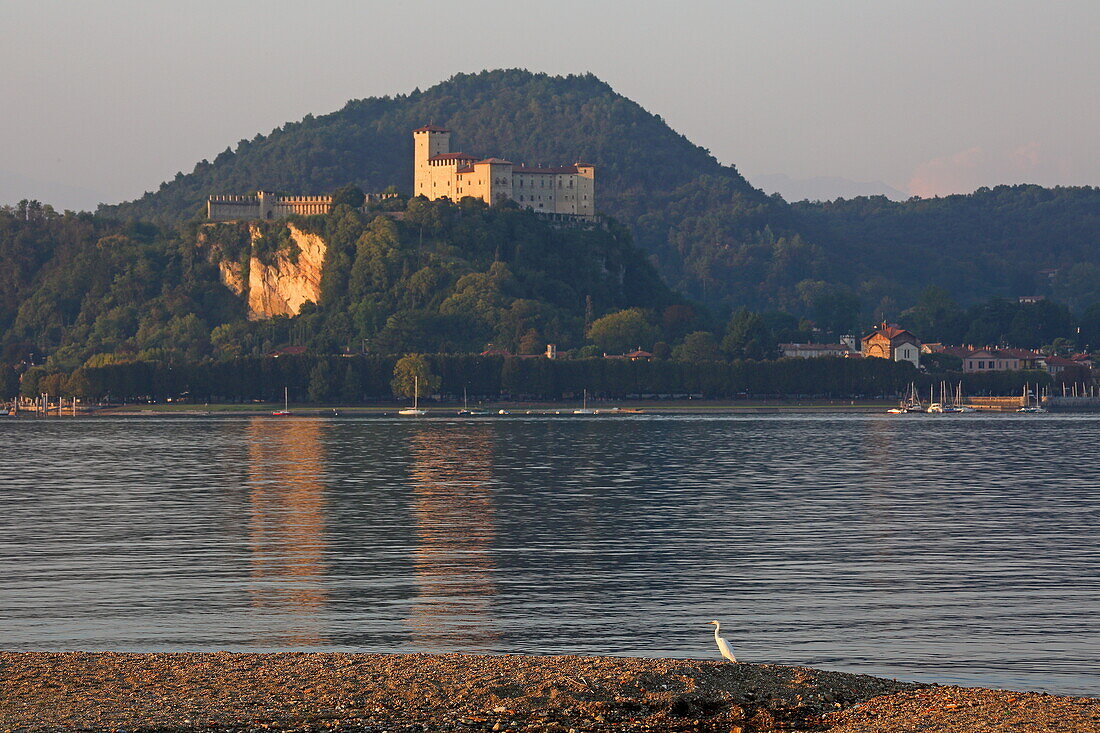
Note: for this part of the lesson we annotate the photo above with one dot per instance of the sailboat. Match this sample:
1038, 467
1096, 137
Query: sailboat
933, 406
285, 412
584, 406
466, 411
1028, 407
910, 404
944, 405
415, 409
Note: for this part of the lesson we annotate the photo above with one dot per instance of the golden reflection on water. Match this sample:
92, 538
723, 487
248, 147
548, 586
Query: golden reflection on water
286, 530
453, 517
883, 463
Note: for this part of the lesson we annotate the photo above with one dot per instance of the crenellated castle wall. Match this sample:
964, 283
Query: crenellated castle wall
266, 205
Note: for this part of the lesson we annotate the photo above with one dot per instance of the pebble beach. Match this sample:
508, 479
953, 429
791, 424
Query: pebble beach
453, 692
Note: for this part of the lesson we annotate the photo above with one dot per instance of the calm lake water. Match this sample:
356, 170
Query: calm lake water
942, 548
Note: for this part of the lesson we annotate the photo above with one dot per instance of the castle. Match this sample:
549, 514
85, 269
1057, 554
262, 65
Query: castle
268, 205
439, 173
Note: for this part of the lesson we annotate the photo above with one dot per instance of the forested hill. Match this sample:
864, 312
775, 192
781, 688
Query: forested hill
648, 176
1007, 241
711, 234
524, 117
433, 277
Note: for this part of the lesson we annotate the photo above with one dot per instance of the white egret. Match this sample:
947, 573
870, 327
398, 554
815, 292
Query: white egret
723, 645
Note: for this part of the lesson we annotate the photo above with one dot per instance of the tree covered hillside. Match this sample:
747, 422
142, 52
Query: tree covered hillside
710, 233
647, 175
435, 277
1006, 241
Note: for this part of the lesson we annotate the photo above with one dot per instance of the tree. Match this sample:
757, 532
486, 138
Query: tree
1090, 327
936, 317
321, 385
618, 332
351, 195
698, 346
352, 388
413, 369
77, 385
747, 337
30, 385
834, 307
9, 382
678, 320
531, 343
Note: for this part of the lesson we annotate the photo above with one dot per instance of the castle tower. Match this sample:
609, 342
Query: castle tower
585, 196
428, 141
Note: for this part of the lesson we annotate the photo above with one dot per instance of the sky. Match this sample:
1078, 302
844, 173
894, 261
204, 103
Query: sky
102, 101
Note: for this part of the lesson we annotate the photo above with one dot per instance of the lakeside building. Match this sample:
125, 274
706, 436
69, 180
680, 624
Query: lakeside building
890, 341
985, 360
813, 351
1000, 360
637, 355
440, 173
1055, 365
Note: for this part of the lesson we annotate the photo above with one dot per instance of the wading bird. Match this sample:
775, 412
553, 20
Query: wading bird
723, 645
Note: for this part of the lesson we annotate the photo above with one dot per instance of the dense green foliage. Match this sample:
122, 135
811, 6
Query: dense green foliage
436, 277
1007, 241
712, 235
76, 285
1045, 324
370, 378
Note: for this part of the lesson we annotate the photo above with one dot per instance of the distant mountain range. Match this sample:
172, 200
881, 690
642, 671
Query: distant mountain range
711, 234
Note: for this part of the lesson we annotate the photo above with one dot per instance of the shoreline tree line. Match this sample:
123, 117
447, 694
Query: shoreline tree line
363, 379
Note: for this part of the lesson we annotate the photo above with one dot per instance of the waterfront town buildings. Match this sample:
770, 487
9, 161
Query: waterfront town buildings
439, 173
889, 341
984, 360
568, 190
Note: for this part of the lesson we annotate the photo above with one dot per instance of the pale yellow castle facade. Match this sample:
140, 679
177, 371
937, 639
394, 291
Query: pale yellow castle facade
439, 173
269, 205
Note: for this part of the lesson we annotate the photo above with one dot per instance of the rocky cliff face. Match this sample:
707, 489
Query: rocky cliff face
283, 286
280, 281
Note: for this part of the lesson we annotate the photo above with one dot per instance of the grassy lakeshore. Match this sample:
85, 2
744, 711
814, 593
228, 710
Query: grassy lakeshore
422, 692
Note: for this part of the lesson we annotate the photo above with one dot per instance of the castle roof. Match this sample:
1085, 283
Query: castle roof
533, 169
431, 128
890, 331
494, 161
453, 156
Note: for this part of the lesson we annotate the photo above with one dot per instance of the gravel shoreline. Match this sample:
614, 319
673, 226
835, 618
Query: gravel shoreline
78, 691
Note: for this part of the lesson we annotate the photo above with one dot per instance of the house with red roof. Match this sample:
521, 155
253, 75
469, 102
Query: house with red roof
890, 341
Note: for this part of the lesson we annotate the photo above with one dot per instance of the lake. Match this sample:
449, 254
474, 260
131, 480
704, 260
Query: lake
941, 548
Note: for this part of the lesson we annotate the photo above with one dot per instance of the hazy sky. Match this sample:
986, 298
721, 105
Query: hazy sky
104, 100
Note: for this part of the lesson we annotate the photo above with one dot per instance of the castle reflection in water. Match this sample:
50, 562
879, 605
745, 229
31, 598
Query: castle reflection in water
450, 515
450, 471
286, 526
